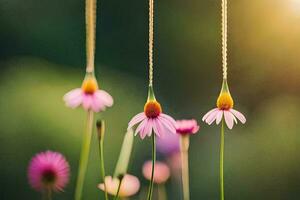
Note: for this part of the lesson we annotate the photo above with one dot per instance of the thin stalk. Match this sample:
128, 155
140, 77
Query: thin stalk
103, 168
150, 190
119, 188
47, 194
84, 157
184, 147
222, 161
162, 194
101, 152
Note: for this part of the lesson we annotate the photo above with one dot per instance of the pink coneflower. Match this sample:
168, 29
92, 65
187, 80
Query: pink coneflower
185, 127
48, 171
161, 171
130, 185
224, 108
89, 96
152, 118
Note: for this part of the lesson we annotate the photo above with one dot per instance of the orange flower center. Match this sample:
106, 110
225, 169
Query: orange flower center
152, 109
225, 101
89, 85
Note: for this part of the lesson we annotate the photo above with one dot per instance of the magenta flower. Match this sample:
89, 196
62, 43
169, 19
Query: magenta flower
130, 185
48, 170
161, 171
187, 127
152, 119
89, 96
224, 108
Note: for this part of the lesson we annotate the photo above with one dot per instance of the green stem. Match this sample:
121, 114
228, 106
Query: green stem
47, 194
119, 187
184, 146
84, 157
150, 190
101, 142
162, 194
222, 162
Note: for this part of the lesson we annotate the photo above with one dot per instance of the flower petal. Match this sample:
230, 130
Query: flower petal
219, 117
136, 119
239, 115
97, 105
87, 101
129, 185
158, 128
167, 124
169, 118
208, 113
228, 119
212, 117
73, 98
141, 127
148, 128
104, 97
234, 118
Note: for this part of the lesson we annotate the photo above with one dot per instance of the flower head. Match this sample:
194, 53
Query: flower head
186, 127
48, 170
152, 119
224, 108
161, 171
130, 185
89, 96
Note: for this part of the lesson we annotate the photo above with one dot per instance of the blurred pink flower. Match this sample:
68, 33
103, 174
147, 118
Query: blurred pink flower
152, 118
161, 171
168, 143
48, 170
89, 96
130, 185
174, 161
187, 127
224, 108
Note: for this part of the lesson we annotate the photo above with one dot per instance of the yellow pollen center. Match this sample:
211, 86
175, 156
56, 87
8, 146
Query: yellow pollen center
225, 101
89, 86
152, 109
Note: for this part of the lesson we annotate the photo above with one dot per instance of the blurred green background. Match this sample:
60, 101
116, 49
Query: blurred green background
42, 56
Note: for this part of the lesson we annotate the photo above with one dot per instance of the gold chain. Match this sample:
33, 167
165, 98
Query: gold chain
224, 38
90, 20
151, 18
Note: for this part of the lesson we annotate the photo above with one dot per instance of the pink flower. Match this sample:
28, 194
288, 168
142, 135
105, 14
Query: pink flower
152, 119
89, 96
185, 127
168, 143
161, 171
224, 108
48, 170
174, 161
130, 185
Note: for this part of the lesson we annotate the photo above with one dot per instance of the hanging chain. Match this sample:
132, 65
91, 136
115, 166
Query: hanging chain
224, 38
90, 20
151, 18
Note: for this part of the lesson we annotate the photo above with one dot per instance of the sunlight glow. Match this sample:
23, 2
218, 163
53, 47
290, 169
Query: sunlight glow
295, 4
